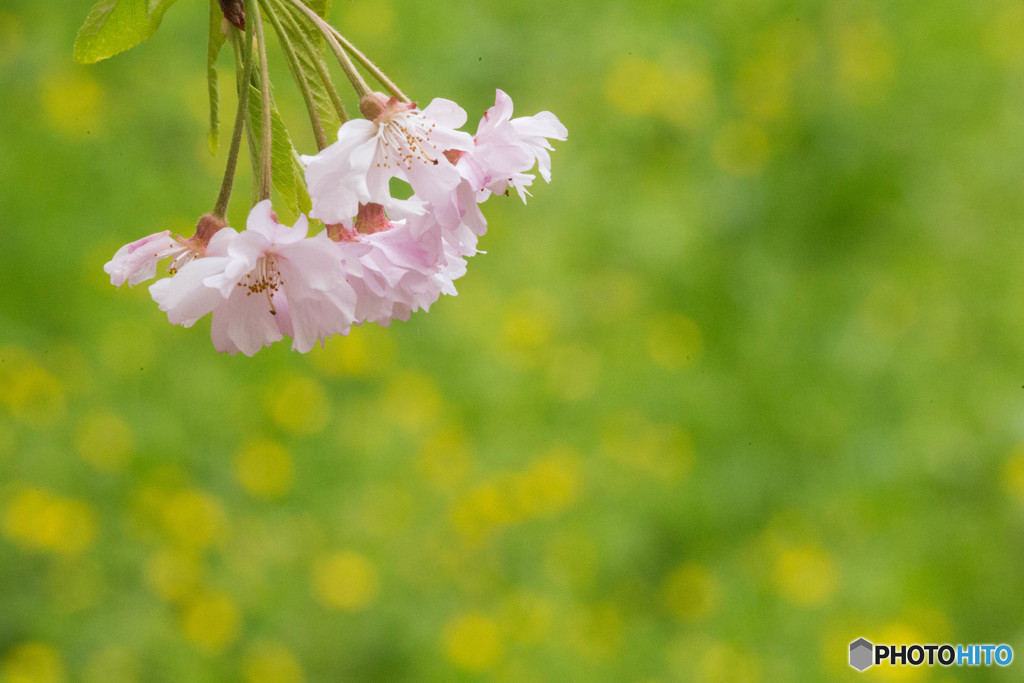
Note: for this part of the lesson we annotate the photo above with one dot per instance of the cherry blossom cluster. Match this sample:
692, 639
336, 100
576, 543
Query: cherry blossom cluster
379, 257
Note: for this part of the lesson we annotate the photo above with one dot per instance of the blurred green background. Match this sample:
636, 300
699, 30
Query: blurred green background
745, 383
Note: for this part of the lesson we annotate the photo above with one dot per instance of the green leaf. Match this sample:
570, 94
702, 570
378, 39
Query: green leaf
114, 26
217, 40
311, 62
287, 171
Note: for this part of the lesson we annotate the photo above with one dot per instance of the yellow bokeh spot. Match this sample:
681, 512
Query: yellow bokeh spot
445, 458
31, 393
73, 103
479, 513
341, 356
104, 440
1002, 41
33, 663
596, 631
365, 351
472, 641
763, 88
866, 65
573, 371
741, 148
112, 663
12, 359
264, 469
40, 520
210, 621
724, 662
173, 573
528, 327
764, 82
1013, 475
551, 484
345, 580
677, 89
13, 37
193, 519
672, 340
298, 405
805, 575
375, 20
268, 662
526, 330
412, 401
691, 592
665, 452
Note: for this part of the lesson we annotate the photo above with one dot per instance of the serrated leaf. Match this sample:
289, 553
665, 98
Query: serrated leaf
114, 26
216, 42
311, 62
287, 171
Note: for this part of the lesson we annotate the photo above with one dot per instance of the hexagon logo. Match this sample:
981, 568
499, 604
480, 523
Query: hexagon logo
861, 654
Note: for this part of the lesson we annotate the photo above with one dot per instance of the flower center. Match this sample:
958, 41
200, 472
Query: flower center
180, 257
265, 278
406, 139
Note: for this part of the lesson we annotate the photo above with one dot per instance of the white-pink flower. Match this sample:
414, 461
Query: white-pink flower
136, 262
260, 284
397, 140
399, 264
505, 148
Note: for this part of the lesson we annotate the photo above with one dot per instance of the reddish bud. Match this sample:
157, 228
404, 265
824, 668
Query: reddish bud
373, 105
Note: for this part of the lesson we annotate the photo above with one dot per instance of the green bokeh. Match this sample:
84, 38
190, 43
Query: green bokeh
743, 384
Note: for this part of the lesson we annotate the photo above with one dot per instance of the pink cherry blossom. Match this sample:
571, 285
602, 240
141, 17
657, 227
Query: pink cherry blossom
399, 264
136, 262
505, 148
260, 284
399, 141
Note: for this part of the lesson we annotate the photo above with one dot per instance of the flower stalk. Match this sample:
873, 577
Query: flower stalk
370, 66
221, 207
353, 75
265, 181
289, 16
297, 74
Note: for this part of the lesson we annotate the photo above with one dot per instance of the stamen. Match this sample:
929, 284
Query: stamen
409, 137
181, 258
264, 279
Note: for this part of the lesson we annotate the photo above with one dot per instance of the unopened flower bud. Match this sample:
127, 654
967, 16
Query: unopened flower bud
373, 105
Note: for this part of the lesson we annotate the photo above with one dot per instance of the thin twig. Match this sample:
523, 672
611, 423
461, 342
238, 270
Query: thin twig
221, 207
298, 75
354, 77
